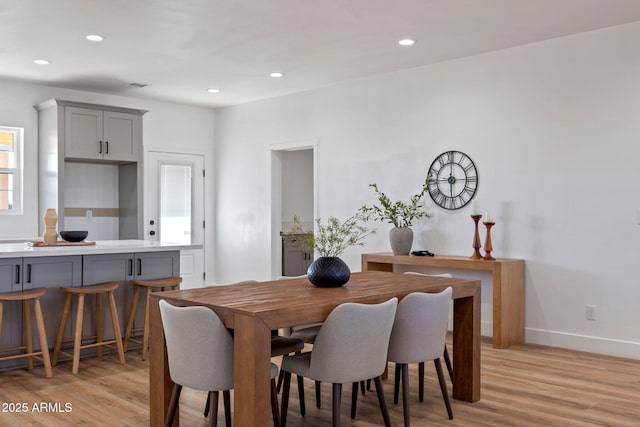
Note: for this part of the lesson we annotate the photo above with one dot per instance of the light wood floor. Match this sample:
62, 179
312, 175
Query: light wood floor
521, 386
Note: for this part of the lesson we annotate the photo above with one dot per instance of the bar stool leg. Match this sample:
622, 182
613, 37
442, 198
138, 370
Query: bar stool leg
132, 316
145, 327
99, 335
77, 342
116, 328
44, 347
63, 324
27, 332
0, 318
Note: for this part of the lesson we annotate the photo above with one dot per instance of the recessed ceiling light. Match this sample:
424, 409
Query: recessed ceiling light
213, 90
276, 74
94, 38
406, 42
41, 61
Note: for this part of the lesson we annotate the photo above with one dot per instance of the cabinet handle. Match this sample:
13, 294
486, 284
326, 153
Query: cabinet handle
28, 273
130, 267
99, 147
139, 267
106, 143
17, 274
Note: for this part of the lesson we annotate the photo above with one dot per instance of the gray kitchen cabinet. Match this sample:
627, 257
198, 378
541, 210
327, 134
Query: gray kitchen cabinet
295, 259
35, 272
96, 134
72, 135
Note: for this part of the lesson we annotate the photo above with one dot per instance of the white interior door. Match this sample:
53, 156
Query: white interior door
175, 208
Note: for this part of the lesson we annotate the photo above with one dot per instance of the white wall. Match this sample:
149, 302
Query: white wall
166, 127
553, 129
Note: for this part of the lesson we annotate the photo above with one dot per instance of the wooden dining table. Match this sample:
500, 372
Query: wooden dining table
253, 310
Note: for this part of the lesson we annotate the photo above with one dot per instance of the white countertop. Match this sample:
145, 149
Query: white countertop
13, 250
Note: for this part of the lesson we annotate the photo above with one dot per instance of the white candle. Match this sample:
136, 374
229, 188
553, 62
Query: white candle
488, 217
475, 207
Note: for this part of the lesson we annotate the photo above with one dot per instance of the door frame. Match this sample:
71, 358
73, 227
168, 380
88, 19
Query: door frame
276, 151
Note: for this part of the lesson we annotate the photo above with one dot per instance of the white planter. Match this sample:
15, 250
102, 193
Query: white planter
401, 240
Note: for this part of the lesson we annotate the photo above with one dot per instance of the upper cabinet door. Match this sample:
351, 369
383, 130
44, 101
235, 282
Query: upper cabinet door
120, 136
102, 135
83, 133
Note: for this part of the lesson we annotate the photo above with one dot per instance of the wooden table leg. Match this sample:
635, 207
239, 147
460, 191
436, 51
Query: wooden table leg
160, 383
252, 369
508, 304
466, 347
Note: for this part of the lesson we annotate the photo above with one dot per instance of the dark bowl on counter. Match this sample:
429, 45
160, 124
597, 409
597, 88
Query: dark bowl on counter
74, 236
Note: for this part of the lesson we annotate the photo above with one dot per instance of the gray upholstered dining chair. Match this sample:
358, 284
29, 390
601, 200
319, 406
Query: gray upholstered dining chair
447, 359
366, 327
200, 356
418, 335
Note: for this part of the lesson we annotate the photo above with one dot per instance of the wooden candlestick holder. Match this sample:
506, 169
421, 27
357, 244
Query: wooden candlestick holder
487, 243
476, 239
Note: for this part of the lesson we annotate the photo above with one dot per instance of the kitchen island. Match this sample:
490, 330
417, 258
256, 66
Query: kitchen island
26, 267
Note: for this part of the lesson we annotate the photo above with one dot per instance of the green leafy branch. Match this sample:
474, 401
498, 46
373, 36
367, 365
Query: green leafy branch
332, 238
399, 213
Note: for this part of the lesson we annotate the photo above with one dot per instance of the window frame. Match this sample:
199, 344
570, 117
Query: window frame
16, 171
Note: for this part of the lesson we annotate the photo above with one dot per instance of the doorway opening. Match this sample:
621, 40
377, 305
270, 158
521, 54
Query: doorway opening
294, 191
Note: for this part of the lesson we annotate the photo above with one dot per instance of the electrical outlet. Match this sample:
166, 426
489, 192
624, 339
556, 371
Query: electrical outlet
89, 214
591, 312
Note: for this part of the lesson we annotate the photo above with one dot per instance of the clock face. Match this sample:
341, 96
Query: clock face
454, 180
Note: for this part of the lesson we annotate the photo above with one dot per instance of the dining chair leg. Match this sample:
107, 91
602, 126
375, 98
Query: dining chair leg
396, 384
173, 404
336, 394
207, 405
354, 399
362, 388
405, 395
226, 398
280, 379
274, 404
421, 381
318, 395
369, 384
447, 361
286, 385
383, 402
213, 413
301, 392
443, 387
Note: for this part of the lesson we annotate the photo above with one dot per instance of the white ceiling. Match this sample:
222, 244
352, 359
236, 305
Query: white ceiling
182, 47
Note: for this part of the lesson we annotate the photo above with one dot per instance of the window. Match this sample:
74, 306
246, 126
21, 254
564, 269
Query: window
10, 170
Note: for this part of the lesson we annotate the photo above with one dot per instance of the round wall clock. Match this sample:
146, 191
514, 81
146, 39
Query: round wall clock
454, 180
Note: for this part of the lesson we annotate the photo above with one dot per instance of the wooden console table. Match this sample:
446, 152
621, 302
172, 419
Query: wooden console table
508, 287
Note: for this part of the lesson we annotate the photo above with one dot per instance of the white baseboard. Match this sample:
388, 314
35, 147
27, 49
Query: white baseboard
586, 343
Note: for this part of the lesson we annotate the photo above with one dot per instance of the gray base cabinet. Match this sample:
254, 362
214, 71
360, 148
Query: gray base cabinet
295, 259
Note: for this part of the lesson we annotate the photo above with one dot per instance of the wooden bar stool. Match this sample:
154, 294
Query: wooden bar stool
149, 286
97, 290
43, 355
